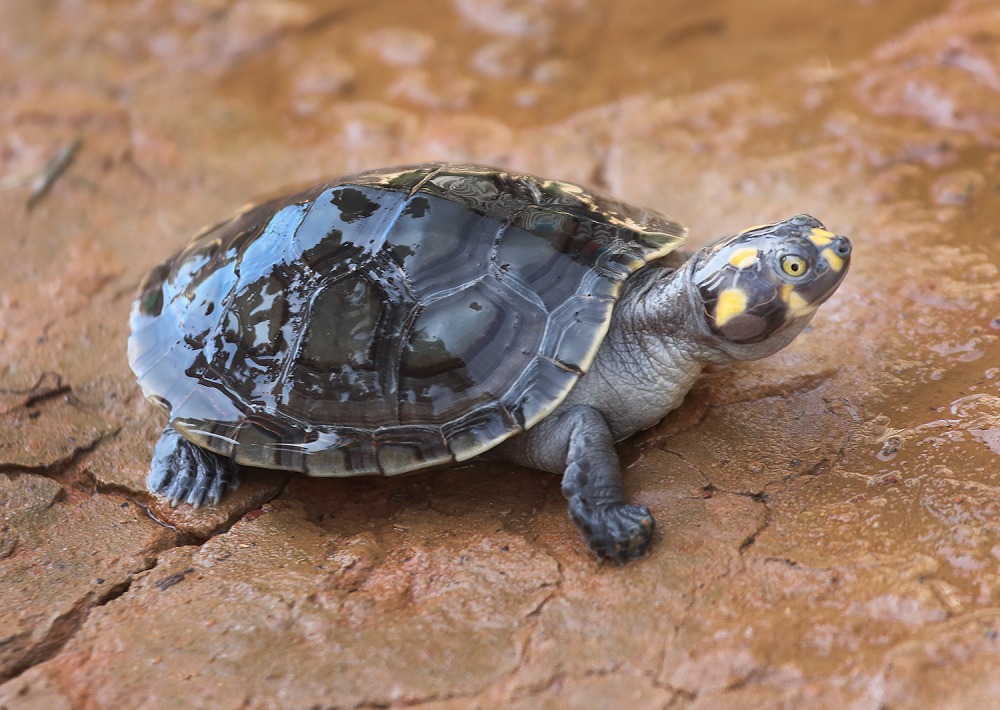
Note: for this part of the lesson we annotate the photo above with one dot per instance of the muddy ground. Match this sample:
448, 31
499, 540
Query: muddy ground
829, 524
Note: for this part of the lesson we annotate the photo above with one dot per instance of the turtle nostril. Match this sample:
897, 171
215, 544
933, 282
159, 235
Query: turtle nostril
842, 246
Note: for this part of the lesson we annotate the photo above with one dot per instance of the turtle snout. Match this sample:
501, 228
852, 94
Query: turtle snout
841, 246
837, 255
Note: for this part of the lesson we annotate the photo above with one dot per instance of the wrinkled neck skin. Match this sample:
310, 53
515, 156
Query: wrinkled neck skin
657, 345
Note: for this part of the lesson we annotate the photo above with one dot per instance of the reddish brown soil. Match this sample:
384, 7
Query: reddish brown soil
829, 524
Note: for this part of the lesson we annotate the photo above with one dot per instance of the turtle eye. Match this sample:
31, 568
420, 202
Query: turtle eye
794, 265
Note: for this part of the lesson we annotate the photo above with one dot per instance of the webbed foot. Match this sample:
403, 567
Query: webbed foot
621, 532
185, 473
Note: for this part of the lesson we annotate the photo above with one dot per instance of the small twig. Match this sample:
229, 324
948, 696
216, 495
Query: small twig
52, 171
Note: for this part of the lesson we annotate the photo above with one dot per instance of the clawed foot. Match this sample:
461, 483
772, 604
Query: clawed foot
184, 473
621, 532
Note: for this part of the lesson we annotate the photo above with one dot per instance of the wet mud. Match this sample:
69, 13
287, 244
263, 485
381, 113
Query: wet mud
828, 519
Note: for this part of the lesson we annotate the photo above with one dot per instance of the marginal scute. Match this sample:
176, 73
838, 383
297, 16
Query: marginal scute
388, 321
539, 390
476, 431
401, 449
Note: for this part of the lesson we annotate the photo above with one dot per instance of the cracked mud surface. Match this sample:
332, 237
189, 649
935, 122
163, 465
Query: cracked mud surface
828, 519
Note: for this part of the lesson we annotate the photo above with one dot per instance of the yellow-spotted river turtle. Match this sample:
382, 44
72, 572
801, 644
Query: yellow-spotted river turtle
403, 319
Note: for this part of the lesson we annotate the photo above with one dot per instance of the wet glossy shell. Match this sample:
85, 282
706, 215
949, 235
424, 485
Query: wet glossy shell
388, 321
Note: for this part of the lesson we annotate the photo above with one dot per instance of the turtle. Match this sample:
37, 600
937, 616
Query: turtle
420, 316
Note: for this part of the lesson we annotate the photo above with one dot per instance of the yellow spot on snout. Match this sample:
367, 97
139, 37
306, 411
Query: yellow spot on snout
820, 237
742, 258
836, 263
732, 302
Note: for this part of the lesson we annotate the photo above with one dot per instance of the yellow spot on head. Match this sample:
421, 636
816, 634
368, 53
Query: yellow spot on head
732, 302
836, 263
742, 258
796, 302
797, 305
750, 229
820, 237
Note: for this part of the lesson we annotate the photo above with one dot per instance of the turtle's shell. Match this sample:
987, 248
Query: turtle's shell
387, 321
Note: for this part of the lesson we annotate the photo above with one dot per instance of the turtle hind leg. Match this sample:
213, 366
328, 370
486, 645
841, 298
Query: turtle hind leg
592, 485
185, 473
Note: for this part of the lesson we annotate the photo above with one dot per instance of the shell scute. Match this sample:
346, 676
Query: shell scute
441, 245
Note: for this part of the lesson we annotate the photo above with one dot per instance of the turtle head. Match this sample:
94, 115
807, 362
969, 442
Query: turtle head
760, 288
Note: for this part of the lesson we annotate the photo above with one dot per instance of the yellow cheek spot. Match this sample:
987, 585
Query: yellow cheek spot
797, 305
742, 258
732, 302
820, 237
836, 263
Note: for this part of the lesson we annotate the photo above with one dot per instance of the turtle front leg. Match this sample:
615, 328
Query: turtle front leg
185, 473
579, 443
592, 484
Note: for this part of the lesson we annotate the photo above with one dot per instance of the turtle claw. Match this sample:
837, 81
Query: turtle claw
620, 532
184, 473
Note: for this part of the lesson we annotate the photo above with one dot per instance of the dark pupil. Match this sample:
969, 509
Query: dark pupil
794, 265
